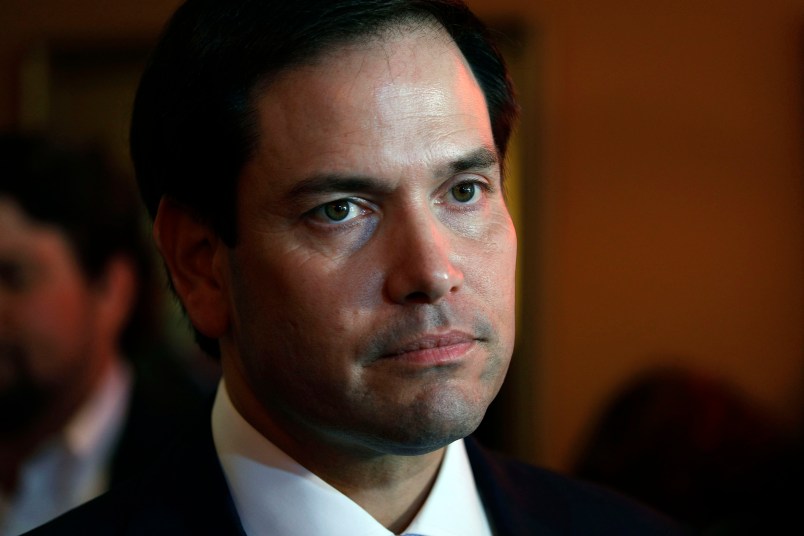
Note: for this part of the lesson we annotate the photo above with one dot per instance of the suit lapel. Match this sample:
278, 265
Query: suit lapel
187, 492
514, 501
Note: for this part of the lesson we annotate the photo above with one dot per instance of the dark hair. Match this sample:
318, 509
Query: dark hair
96, 208
193, 126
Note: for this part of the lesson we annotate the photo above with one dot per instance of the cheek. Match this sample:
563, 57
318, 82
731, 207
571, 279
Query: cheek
336, 289
48, 315
303, 303
51, 328
300, 331
492, 262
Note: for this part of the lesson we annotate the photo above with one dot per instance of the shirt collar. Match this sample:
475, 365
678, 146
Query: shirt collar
95, 424
275, 495
72, 467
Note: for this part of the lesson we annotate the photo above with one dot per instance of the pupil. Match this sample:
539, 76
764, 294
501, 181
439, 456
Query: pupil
337, 210
464, 192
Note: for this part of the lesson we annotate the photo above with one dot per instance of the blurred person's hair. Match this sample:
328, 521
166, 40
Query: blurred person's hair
692, 446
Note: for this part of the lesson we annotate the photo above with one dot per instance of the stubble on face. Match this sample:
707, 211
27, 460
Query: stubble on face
22, 399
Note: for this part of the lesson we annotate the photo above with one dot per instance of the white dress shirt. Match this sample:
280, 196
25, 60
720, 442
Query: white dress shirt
72, 467
274, 495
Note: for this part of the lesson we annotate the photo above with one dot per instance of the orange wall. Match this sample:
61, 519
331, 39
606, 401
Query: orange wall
671, 224
663, 217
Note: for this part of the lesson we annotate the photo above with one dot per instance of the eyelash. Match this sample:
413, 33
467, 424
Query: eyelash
481, 187
319, 212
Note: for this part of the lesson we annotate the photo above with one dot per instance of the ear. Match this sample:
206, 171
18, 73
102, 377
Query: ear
116, 290
189, 249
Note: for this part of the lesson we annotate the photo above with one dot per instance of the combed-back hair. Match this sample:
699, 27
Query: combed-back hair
194, 123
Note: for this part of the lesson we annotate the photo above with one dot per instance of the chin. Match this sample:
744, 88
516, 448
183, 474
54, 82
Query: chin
421, 430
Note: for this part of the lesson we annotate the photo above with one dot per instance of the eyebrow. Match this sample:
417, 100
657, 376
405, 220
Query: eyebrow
480, 158
326, 183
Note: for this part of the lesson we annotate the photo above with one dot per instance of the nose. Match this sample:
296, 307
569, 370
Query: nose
422, 269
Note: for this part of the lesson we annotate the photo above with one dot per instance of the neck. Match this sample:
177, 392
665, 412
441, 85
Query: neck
391, 488
396, 500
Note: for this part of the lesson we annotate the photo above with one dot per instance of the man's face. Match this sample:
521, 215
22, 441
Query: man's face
371, 291
46, 319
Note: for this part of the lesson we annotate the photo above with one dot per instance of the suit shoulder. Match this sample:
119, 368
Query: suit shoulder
522, 499
182, 492
96, 517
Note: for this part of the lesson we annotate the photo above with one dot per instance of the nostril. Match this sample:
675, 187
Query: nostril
418, 297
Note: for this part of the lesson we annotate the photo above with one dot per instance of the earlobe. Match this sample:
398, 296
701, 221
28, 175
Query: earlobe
189, 248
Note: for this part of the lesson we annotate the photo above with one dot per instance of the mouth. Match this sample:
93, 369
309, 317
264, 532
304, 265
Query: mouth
434, 349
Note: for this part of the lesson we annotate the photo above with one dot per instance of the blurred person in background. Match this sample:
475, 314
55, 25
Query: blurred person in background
75, 296
700, 450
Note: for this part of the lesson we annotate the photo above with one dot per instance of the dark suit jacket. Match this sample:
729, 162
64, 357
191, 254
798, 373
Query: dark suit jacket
162, 398
184, 492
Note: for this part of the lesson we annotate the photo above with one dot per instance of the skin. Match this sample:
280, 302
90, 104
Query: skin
58, 332
365, 315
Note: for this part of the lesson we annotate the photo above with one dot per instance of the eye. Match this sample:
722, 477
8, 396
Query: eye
466, 192
338, 211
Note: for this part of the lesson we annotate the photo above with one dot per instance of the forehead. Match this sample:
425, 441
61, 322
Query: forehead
14, 222
384, 101
21, 234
